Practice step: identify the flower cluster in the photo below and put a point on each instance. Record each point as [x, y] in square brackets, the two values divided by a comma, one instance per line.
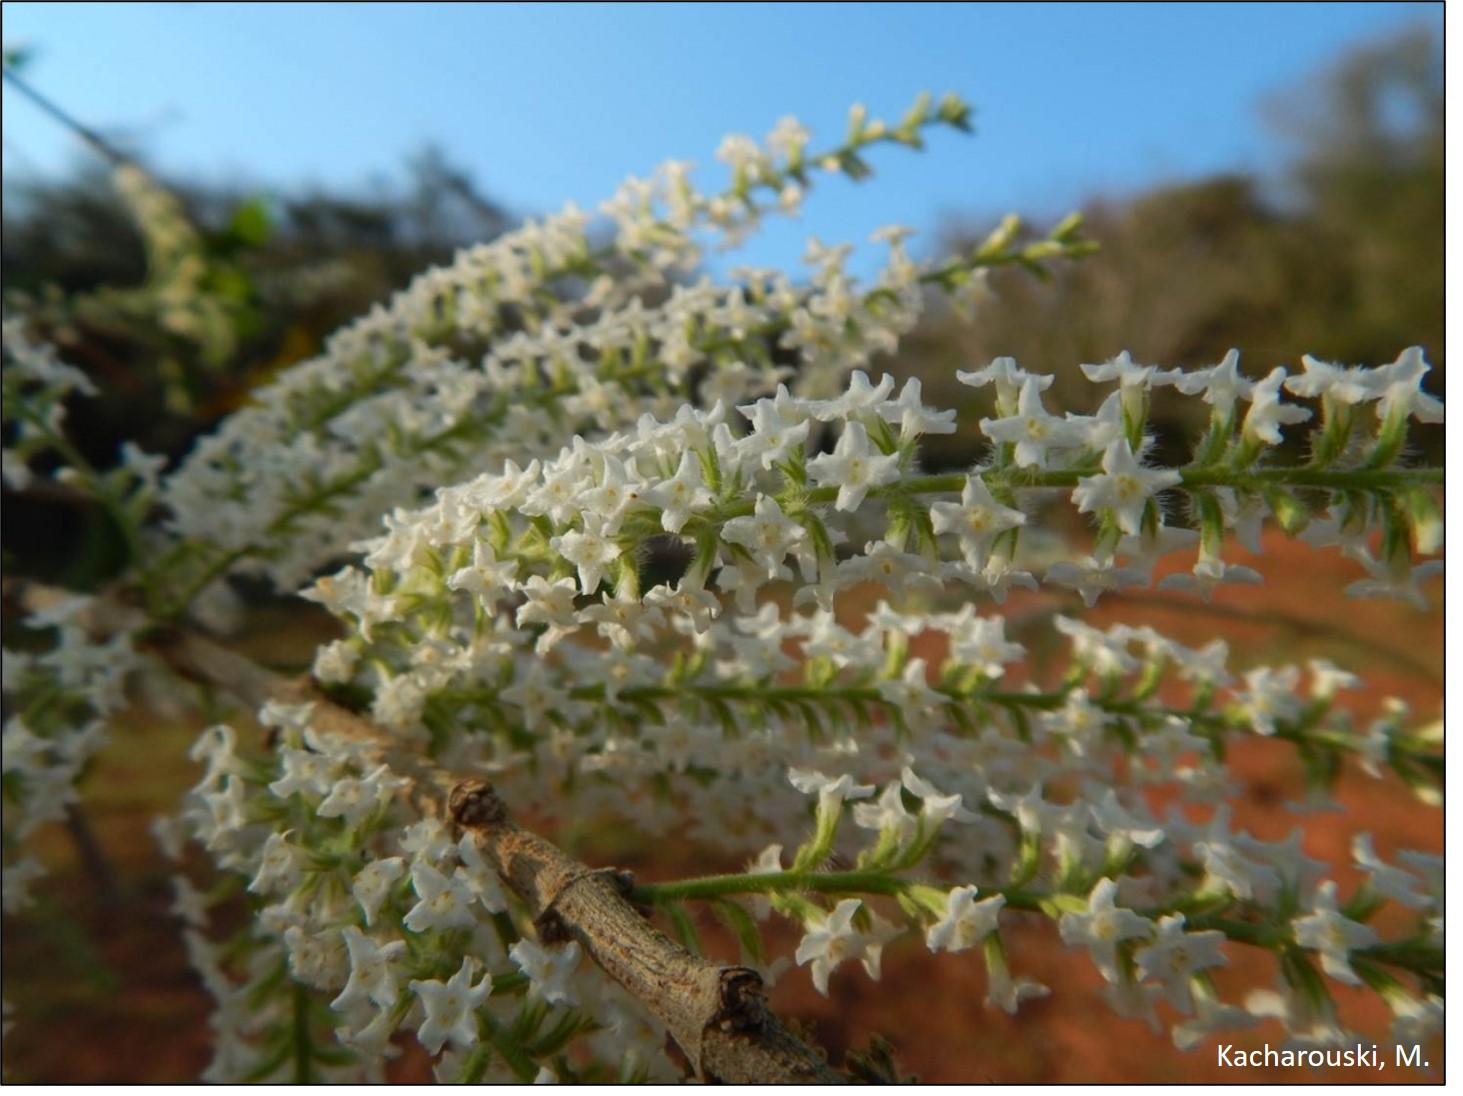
[59, 694]
[621, 558]
[389, 920]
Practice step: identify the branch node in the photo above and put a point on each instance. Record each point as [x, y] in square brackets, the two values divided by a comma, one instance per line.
[475, 805]
[743, 1005]
[551, 928]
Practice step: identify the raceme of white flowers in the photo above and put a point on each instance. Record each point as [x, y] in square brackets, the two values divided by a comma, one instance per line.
[622, 569]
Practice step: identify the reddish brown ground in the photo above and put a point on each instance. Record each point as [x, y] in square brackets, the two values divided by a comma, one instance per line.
[102, 992]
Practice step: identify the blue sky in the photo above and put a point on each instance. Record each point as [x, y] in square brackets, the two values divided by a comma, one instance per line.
[556, 102]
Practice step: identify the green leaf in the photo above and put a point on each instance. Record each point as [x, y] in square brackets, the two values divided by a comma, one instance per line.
[736, 918]
[685, 929]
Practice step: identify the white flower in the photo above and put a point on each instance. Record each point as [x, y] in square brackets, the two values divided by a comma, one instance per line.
[767, 861]
[1388, 881]
[886, 814]
[1032, 428]
[766, 534]
[488, 577]
[550, 603]
[1009, 380]
[1270, 697]
[854, 466]
[1222, 384]
[681, 495]
[832, 939]
[935, 809]
[918, 704]
[831, 793]
[966, 922]
[1124, 488]
[15, 881]
[1123, 370]
[1102, 927]
[23, 750]
[773, 436]
[1267, 414]
[1209, 572]
[1325, 930]
[862, 398]
[373, 977]
[591, 550]
[373, 882]
[1092, 577]
[913, 417]
[1308, 1019]
[1395, 578]
[1400, 388]
[1175, 956]
[1005, 992]
[280, 864]
[1212, 1015]
[451, 1008]
[428, 840]
[548, 971]
[480, 876]
[1341, 384]
[1415, 1020]
[444, 903]
[977, 520]
[355, 800]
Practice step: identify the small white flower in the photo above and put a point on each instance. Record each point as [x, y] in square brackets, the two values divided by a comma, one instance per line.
[886, 814]
[373, 977]
[935, 809]
[966, 922]
[831, 793]
[1124, 488]
[1032, 429]
[1267, 414]
[1396, 578]
[1335, 936]
[1175, 956]
[373, 882]
[766, 534]
[682, 495]
[1209, 572]
[488, 578]
[443, 903]
[913, 417]
[1387, 880]
[774, 437]
[855, 466]
[591, 550]
[280, 865]
[1003, 991]
[1103, 926]
[355, 800]
[1009, 380]
[977, 520]
[1222, 384]
[451, 1008]
[1271, 697]
[861, 398]
[549, 972]
[832, 939]
[1400, 388]
[480, 876]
